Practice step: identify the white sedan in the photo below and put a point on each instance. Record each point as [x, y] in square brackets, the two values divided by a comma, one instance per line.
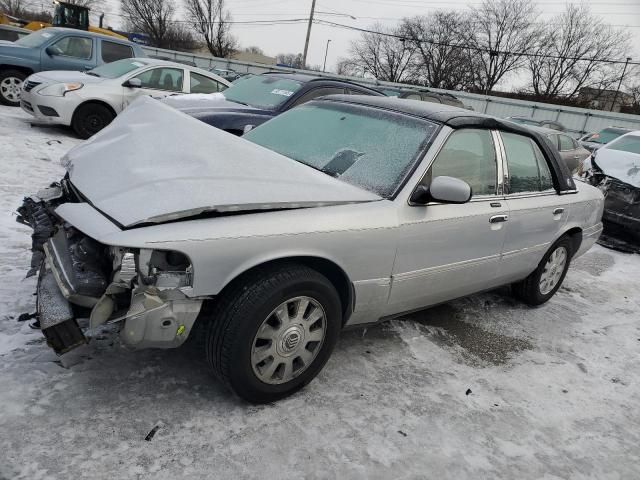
[89, 101]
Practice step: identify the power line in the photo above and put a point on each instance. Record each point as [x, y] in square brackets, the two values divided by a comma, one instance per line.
[404, 38]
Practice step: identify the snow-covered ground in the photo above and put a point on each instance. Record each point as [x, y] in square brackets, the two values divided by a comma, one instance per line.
[483, 387]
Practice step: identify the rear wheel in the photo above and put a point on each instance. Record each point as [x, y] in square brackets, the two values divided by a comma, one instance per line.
[545, 281]
[11, 86]
[90, 118]
[273, 331]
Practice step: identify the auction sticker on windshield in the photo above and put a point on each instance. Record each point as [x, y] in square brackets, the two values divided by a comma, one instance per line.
[285, 93]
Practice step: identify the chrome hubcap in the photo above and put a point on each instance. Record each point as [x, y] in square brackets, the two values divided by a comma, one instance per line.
[10, 88]
[288, 340]
[553, 270]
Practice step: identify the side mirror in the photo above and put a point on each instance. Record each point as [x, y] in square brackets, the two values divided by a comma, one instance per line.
[443, 190]
[133, 83]
[247, 128]
[50, 51]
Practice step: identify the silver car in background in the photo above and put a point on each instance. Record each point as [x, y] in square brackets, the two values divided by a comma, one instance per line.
[571, 152]
[341, 212]
[89, 101]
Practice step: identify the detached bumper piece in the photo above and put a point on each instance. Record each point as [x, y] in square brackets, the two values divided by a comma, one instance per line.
[55, 314]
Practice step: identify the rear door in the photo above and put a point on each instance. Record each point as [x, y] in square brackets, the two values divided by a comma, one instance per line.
[536, 212]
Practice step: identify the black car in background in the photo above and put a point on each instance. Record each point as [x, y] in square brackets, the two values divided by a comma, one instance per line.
[424, 95]
[252, 101]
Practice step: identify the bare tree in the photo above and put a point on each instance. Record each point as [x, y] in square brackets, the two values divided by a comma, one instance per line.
[254, 49]
[179, 37]
[151, 17]
[387, 57]
[293, 60]
[82, 3]
[441, 61]
[212, 21]
[12, 7]
[573, 53]
[497, 34]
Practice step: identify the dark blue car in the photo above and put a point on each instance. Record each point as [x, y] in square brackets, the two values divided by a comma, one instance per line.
[252, 101]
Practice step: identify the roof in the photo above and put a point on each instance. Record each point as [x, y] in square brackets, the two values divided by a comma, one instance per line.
[455, 118]
[307, 77]
[14, 28]
[88, 34]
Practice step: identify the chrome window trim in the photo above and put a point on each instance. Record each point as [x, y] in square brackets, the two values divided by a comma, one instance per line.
[475, 198]
[506, 193]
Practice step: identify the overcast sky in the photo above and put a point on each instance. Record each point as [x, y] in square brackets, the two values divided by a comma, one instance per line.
[274, 39]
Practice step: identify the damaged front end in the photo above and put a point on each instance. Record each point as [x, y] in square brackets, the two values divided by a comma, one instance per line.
[621, 214]
[141, 290]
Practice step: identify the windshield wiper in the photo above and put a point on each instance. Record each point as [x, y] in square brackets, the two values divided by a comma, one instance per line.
[93, 74]
[236, 101]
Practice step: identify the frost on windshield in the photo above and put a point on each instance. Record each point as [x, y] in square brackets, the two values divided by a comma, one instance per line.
[366, 147]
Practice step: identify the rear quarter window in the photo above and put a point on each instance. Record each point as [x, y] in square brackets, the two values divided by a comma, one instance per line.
[112, 51]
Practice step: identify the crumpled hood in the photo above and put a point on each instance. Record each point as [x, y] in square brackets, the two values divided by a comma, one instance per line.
[65, 76]
[154, 164]
[624, 166]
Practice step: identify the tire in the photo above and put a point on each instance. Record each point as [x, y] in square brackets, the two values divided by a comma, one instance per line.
[533, 290]
[10, 87]
[254, 304]
[90, 118]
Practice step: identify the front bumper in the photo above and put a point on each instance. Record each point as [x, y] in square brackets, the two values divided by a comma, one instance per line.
[48, 109]
[78, 273]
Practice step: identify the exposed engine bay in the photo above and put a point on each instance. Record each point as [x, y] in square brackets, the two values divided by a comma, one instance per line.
[139, 289]
[621, 215]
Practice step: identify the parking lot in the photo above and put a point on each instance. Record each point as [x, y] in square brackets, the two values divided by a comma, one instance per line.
[482, 387]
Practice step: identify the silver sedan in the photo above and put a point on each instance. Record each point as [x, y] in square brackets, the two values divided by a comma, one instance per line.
[89, 101]
[341, 212]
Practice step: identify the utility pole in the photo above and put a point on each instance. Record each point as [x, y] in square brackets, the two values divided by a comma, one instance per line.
[324, 66]
[615, 97]
[306, 43]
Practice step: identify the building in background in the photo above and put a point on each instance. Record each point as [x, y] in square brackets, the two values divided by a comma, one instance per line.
[604, 99]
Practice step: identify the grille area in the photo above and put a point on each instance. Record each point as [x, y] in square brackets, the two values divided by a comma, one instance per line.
[30, 85]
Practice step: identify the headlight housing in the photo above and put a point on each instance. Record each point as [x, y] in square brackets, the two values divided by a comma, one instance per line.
[60, 89]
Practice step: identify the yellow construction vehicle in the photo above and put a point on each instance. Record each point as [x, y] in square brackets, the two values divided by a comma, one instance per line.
[65, 15]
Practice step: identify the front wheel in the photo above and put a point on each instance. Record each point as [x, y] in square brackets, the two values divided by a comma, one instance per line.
[545, 281]
[273, 331]
[89, 119]
[10, 87]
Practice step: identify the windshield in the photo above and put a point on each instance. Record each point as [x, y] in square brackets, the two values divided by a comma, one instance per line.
[628, 143]
[370, 148]
[263, 91]
[35, 39]
[116, 69]
[607, 135]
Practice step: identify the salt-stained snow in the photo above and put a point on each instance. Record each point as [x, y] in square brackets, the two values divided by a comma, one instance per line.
[554, 392]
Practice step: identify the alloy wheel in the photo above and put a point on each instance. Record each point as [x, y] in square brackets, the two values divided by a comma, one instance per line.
[10, 89]
[553, 270]
[288, 340]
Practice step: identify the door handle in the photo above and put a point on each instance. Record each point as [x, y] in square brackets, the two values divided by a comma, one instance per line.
[495, 204]
[558, 211]
[499, 218]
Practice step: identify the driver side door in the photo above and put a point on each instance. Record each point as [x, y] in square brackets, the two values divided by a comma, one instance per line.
[69, 53]
[447, 251]
[156, 82]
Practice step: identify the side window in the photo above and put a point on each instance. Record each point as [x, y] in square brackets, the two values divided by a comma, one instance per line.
[414, 96]
[202, 84]
[169, 79]
[317, 92]
[112, 51]
[528, 169]
[469, 155]
[8, 35]
[431, 98]
[566, 143]
[76, 47]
